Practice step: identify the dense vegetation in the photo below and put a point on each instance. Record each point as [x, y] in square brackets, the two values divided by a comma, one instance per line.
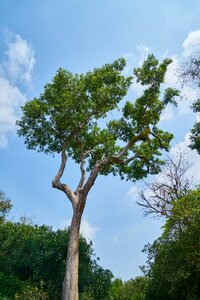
[174, 259]
[32, 262]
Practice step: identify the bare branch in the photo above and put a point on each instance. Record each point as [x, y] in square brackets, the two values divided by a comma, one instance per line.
[131, 159]
[152, 207]
[171, 185]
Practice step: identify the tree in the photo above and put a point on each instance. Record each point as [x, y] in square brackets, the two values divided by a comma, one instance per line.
[66, 119]
[32, 261]
[174, 259]
[5, 206]
[190, 74]
[172, 184]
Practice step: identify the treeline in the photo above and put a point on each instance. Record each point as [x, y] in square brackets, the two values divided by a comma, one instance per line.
[32, 264]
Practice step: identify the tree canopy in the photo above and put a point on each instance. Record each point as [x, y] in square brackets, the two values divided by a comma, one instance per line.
[67, 117]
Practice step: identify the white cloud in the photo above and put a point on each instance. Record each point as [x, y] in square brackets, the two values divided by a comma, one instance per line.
[20, 59]
[137, 87]
[10, 100]
[192, 156]
[132, 196]
[133, 192]
[191, 43]
[144, 51]
[167, 114]
[87, 230]
[188, 95]
[18, 64]
[171, 77]
[130, 61]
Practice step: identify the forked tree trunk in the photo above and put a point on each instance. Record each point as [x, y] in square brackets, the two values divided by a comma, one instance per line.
[70, 283]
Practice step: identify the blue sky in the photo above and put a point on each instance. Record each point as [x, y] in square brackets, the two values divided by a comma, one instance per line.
[36, 38]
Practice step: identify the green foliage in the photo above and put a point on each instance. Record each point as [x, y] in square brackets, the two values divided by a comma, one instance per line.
[70, 105]
[32, 293]
[68, 115]
[133, 289]
[5, 206]
[174, 259]
[31, 255]
[195, 137]
[99, 284]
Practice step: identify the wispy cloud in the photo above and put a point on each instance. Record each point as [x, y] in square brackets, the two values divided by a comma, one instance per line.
[17, 65]
[20, 60]
[191, 43]
[192, 156]
[10, 100]
[87, 230]
[132, 194]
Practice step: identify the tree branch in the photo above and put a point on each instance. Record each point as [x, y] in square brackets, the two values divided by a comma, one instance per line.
[83, 176]
[157, 137]
[143, 136]
[171, 185]
[61, 186]
[93, 175]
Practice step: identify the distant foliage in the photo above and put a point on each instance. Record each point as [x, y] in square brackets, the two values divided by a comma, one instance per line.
[190, 75]
[133, 289]
[174, 258]
[5, 206]
[32, 264]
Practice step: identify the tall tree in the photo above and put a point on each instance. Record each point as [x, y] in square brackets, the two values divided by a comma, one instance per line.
[66, 119]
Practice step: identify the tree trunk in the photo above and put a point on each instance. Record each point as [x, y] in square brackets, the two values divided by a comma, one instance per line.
[70, 283]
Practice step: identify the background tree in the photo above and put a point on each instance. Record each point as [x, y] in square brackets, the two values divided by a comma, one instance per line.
[190, 74]
[174, 259]
[32, 262]
[67, 119]
[5, 206]
[172, 184]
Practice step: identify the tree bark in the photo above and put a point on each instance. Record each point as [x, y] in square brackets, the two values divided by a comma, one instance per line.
[70, 283]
